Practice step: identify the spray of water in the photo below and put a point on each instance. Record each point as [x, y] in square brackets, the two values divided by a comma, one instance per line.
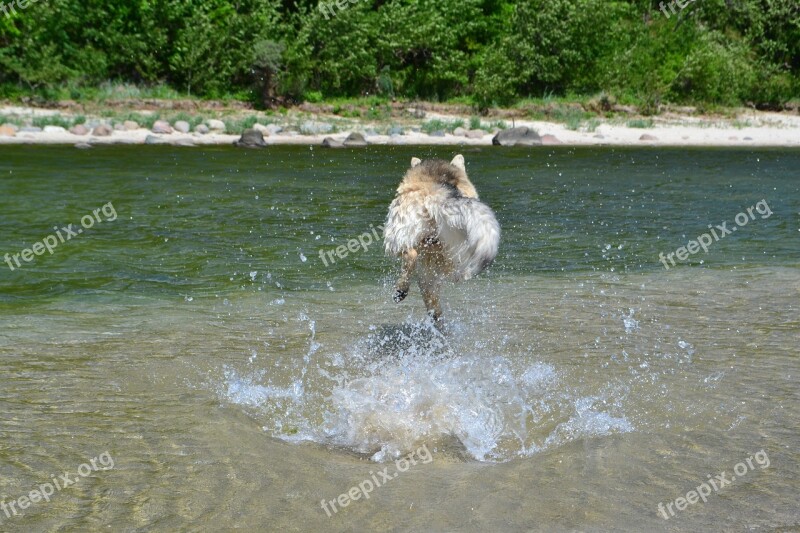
[400, 386]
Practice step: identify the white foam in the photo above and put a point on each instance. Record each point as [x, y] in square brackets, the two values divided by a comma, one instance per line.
[242, 391]
[402, 387]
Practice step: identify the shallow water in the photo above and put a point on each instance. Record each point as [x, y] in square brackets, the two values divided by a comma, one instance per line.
[237, 380]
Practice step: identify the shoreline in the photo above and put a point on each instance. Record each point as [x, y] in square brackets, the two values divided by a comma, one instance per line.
[748, 129]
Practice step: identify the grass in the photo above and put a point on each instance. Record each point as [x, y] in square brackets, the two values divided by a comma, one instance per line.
[346, 113]
[65, 122]
[6, 119]
[461, 100]
[105, 92]
[238, 125]
[549, 99]
[572, 116]
[643, 123]
[371, 108]
[58, 120]
[110, 91]
[476, 123]
[563, 110]
[144, 120]
[567, 109]
[234, 123]
[361, 101]
[592, 124]
[434, 125]
[380, 111]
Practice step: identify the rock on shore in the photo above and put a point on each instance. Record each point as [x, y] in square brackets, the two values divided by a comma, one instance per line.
[517, 137]
[251, 138]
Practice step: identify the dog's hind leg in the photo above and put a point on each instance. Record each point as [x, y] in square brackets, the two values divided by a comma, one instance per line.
[430, 283]
[403, 284]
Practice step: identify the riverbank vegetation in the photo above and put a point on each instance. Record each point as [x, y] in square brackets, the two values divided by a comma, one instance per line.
[479, 53]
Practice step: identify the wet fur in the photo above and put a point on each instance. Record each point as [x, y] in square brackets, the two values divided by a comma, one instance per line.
[439, 228]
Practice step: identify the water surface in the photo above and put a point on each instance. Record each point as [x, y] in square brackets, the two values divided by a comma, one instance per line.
[237, 379]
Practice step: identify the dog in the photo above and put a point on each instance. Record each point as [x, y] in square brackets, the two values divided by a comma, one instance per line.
[436, 221]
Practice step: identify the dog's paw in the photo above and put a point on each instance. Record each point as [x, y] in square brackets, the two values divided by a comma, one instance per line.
[399, 296]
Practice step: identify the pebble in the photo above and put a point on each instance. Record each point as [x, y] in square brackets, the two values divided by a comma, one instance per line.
[161, 126]
[102, 131]
[216, 125]
[550, 140]
[475, 134]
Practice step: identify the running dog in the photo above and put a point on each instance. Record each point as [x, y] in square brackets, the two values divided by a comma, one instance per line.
[437, 220]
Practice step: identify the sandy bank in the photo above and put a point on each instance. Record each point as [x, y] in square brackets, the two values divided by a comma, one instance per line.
[749, 129]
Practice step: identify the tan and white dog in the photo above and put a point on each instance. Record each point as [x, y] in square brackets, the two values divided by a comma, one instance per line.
[437, 220]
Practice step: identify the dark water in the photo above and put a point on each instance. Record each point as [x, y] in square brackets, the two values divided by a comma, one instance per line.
[189, 219]
[194, 332]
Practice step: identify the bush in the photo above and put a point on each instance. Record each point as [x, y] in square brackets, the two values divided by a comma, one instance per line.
[490, 52]
[313, 97]
[551, 45]
[773, 88]
[715, 71]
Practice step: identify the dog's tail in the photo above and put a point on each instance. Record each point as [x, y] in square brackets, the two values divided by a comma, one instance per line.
[468, 231]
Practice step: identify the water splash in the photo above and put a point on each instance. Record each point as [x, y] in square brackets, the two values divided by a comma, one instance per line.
[631, 324]
[399, 387]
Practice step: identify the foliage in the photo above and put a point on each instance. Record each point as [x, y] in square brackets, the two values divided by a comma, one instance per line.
[489, 52]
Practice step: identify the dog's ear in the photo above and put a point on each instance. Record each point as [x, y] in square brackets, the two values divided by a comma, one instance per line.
[415, 161]
[458, 162]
